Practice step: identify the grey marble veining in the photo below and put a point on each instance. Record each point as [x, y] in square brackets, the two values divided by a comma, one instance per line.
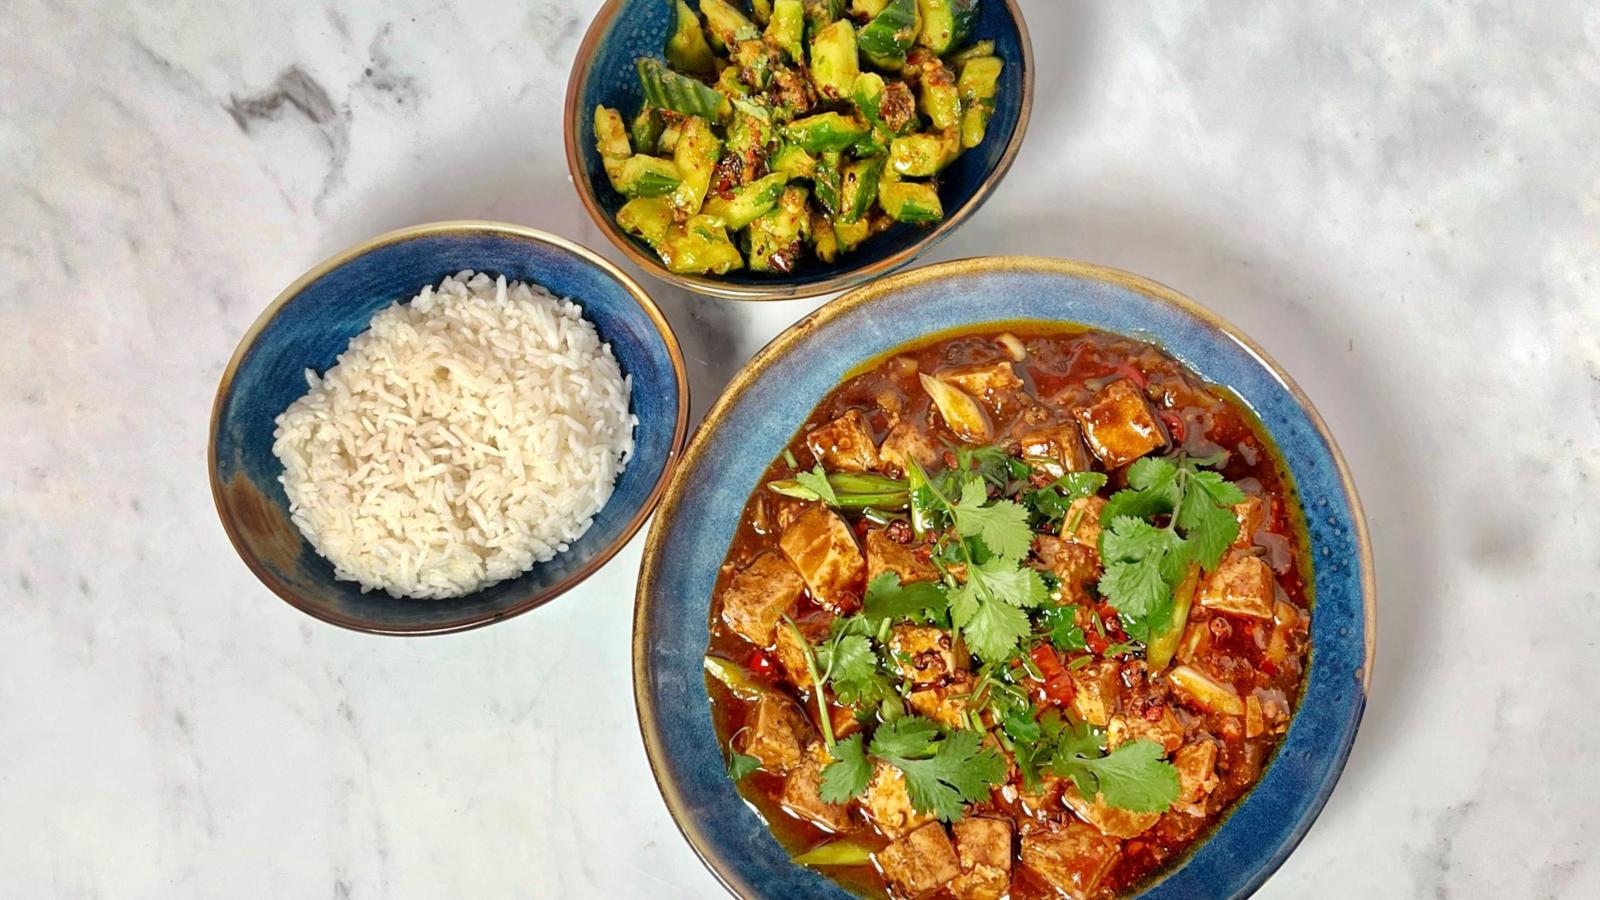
[1400, 201]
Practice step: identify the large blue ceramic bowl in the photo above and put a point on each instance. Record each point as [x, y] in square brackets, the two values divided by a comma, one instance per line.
[312, 322]
[775, 393]
[603, 74]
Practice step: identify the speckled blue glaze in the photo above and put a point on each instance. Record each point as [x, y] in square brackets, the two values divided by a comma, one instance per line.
[694, 526]
[313, 325]
[640, 29]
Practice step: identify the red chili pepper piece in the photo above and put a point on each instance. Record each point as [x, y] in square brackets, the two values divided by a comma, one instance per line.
[1097, 644]
[1059, 688]
[1044, 656]
[1175, 425]
[760, 662]
[1127, 370]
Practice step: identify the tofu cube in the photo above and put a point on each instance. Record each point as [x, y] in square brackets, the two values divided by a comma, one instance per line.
[920, 862]
[983, 847]
[1112, 821]
[886, 555]
[1166, 731]
[1254, 722]
[888, 805]
[906, 441]
[1082, 524]
[1059, 446]
[778, 733]
[1197, 766]
[819, 544]
[926, 655]
[1044, 800]
[1120, 424]
[1251, 513]
[1241, 585]
[757, 597]
[1097, 689]
[995, 383]
[845, 444]
[1073, 860]
[802, 792]
[941, 704]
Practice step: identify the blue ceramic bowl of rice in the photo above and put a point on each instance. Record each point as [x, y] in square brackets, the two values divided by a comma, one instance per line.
[604, 74]
[310, 326]
[777, 391]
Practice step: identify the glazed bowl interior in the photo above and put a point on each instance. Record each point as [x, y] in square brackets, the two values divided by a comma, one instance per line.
[775, 393]
[603, 74]
[312, 322]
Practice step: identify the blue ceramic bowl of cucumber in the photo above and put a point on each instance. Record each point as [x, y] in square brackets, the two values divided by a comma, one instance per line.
[631, 52]
[756, 417]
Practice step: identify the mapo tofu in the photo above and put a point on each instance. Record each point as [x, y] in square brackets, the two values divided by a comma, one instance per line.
[937, 620]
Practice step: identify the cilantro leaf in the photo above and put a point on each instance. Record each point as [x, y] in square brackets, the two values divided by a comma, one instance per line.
[907, 736]
[849, 774]
[1075, 485]
[1151, 473]
[1081, 739]
[992, 464]
[1131, 777]
[1062, 627]
[816, 481]
[887, 598]
[959, 772]
[1153, 489]
[1221, 491]
[851, 666]
[740, 765]
[1206, 517]
[987, 606]
[1009, 580]
[1002, 525]
[1138, 579]
[1022, 727]
[995, 629]
[1129, 539]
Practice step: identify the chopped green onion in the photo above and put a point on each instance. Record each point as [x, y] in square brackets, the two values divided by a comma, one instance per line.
[842, 852]
[737, 678]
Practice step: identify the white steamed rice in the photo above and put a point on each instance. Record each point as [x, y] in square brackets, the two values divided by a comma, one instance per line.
[464, 437]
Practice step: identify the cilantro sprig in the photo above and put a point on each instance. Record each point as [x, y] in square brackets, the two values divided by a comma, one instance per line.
[816, 481]
[919, 601]
[1050, 503]
[1145, 561]
[1131, 777]
[991, 538]
[943, 772]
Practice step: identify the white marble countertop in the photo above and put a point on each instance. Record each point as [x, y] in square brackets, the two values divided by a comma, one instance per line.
[1401, 201]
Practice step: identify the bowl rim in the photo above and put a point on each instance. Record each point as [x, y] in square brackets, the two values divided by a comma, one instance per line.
[677, 804]
[779, 290]
[400, 235]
